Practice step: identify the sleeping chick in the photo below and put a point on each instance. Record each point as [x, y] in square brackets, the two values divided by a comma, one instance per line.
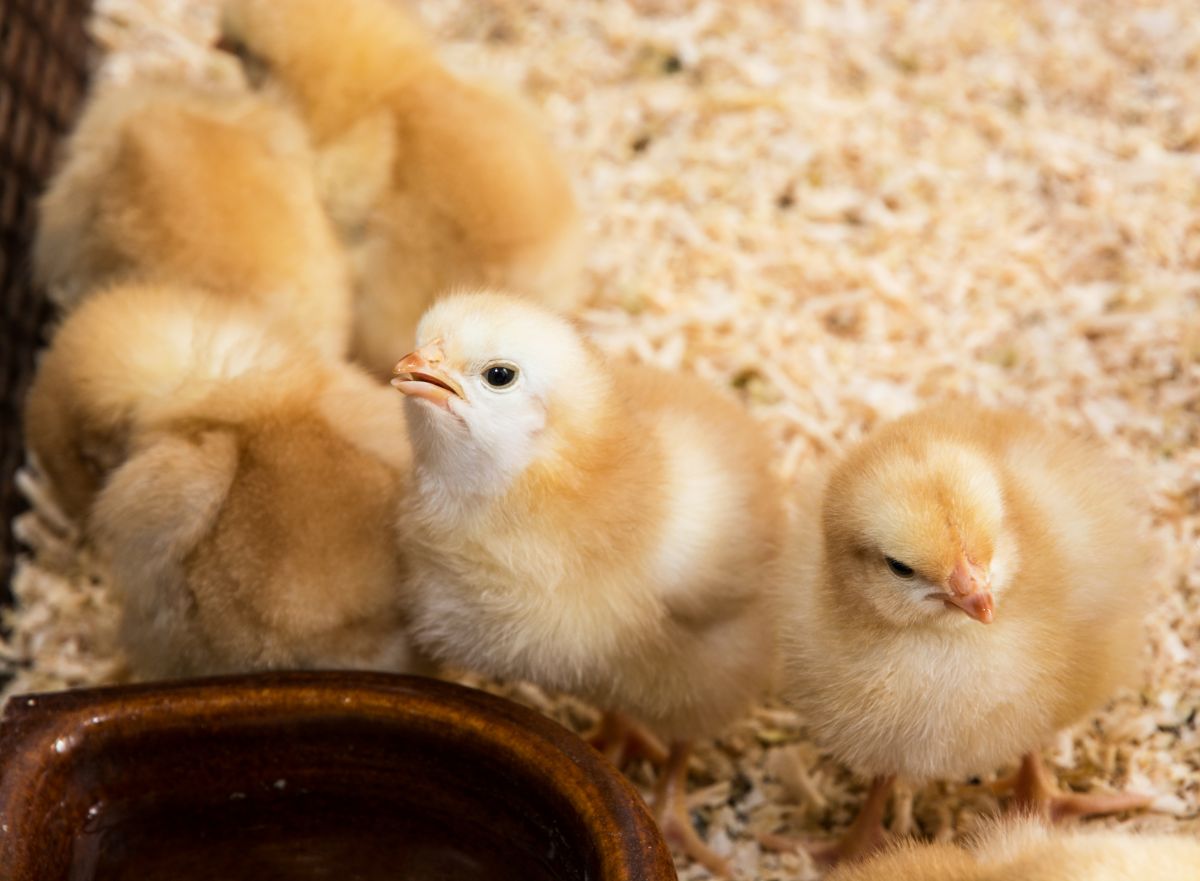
[243, 485]
[971, 583]
[197, 186]
[1022, 849]
[437, 183]
[601, 529]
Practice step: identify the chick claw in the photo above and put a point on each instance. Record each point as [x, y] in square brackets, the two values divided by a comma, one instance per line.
[671, 809]
[865, 835]
[622, 740]
[1034, 792]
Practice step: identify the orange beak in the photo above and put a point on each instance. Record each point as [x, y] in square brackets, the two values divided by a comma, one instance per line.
[970, 585]
[418, 376]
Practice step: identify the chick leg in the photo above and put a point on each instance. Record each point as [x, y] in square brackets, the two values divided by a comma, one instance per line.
[622, 739]
[1033, 790]
[865, 835]
[671, 808]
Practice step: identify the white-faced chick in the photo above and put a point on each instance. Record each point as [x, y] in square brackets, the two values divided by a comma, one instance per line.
[970, 583]
[601, 529]
[437, 183]
[199, 186]
[243, 486]
[1021, 849]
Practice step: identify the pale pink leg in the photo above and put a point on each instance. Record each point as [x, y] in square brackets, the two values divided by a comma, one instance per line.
[865, 835]
[1034, 792]
[622, 739]
[671, 808]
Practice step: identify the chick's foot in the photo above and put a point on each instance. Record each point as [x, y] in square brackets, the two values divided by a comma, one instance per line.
[623, 740]
[1034, 792]
[865, 835]
[671, 809]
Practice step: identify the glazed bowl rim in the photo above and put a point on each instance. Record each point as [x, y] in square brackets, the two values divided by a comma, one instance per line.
[40, 728]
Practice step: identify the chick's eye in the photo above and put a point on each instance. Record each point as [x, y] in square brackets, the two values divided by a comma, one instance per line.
[899, 569]
[500, 375]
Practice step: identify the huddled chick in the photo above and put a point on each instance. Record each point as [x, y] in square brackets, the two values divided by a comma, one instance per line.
[436, 182]
[602, 529]
[1022, 849]
[968, 583]
[243, 485]
[178, 184]
[964, 583]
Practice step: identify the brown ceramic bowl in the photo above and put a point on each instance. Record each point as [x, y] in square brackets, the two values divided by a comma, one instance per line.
[305, 776]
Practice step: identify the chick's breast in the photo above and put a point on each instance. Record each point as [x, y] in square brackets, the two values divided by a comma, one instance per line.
[543, 584]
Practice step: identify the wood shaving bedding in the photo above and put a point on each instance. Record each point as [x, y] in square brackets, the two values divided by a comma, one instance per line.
[840, 210]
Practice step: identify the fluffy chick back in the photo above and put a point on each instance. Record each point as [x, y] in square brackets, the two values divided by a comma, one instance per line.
[197, 186]
[122, 352]
[253, 531]
[244, 488]
[1021, 849]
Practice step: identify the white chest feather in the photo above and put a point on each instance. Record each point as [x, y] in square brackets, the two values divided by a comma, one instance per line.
[521, 610]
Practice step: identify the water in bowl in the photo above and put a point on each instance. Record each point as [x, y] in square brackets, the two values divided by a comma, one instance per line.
[304, 837]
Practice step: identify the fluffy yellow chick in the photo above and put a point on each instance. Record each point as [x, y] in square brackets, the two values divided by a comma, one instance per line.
[600, 529]
[243, 486]
[970, 583]
[1025, 850]
[182, 184]
[436, 182]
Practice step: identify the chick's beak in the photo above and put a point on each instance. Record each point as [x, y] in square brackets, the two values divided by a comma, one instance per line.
[970, 585]
[419, 376]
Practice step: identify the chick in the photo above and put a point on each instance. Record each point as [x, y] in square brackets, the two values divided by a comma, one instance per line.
[437, 183]
[181, 184]
[970, 583]
[242, 485]
[1021, 849]
[600, 529]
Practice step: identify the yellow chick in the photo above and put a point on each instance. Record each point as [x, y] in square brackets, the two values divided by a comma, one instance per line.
[437, 183]
[970, 583]
[181, 184]
[243, 486]
[600, 529]
[1024, 850]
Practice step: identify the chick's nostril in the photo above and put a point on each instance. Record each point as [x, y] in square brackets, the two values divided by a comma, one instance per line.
[968, 578]
[432, 352]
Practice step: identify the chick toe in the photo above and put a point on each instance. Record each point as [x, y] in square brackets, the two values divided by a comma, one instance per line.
[622, 740]
[1033, 792]
[671, 809]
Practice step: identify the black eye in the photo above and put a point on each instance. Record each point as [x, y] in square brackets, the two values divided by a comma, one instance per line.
[899, 569]
[499, 376]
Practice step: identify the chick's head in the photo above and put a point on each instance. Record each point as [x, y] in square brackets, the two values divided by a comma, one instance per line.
[914, 527]
[495, 383]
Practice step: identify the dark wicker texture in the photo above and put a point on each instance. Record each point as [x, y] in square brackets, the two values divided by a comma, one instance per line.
[44, 55]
